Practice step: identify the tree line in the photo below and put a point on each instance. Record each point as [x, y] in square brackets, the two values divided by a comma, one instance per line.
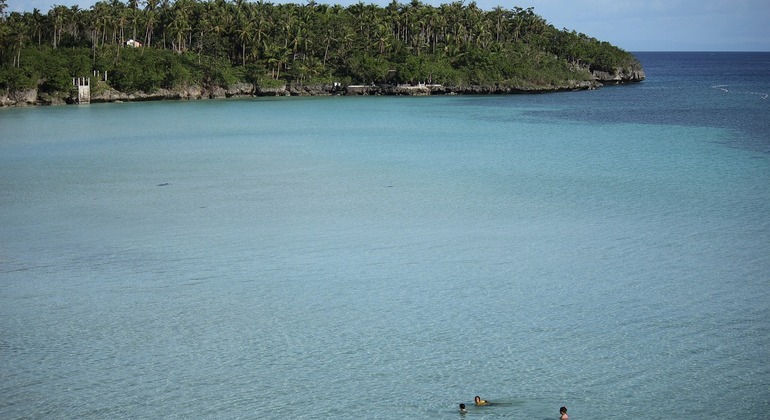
[150, 44]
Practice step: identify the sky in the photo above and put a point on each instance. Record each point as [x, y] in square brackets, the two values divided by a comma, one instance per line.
[633, 25]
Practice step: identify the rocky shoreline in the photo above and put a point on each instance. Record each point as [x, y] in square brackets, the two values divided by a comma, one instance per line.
[101, 94]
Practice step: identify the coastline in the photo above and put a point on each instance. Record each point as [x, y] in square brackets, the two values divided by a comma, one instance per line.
[105, 94]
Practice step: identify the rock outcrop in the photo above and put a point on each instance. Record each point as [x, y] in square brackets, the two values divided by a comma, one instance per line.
[430, 89]
[620, 75]
[104, 93]
[19, 97]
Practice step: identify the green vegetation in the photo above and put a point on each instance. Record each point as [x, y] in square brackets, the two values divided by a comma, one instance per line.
[218, 43]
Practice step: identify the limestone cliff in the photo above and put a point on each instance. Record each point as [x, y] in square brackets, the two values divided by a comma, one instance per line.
[619, 75]
[104, 93]
[19, 98]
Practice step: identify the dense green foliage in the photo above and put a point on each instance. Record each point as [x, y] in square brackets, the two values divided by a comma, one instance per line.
[217, 43]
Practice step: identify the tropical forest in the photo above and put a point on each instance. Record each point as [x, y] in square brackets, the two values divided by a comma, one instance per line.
[152, 45]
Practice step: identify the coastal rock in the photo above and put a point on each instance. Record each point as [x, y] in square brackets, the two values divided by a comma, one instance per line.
[19, 97]
[111, 95]
[419, 90]
[318, 89]
[271, 91]
[191, 92]
[240, 89]
[48, 99]
[388, 89]
[619, 75]
[104, 93]
[108, 95]
[217, 92]
[363, 90]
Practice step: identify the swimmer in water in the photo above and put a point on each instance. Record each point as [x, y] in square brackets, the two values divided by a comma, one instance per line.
[479, 401]
[563, 412]
[462, 409]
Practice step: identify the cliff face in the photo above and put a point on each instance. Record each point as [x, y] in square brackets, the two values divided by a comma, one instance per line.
[187, 92]
[106, 94]
[620, 75]
[19, 98]
[422, 90]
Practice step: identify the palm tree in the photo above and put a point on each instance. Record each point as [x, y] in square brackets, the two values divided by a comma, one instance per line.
[330, 26]
[37, 22]
[383, 34]
[17, 35]
[134, 15]
[118, 20]
[245, 33]
[74, 21]
[440, 30]
[180, 25]
[151, 17]
[56, 16]
[277, 58]
[498, 16]
[3, 6]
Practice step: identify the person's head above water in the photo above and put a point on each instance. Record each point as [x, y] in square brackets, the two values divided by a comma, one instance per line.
[479, 401]
[462, 407]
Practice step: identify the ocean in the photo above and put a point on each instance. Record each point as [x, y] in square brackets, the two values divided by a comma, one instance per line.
[393, 257]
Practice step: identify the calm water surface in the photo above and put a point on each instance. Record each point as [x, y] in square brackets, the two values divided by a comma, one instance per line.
[385, 257]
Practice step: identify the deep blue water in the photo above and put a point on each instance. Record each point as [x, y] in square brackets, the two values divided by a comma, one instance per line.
[391, 257]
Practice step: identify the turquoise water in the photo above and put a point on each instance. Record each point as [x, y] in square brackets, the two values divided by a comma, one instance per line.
[392, 257]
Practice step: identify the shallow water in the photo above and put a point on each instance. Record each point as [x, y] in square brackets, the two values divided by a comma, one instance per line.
[392, 257]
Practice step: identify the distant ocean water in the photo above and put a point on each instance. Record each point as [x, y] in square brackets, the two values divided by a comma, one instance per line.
[391, 257]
